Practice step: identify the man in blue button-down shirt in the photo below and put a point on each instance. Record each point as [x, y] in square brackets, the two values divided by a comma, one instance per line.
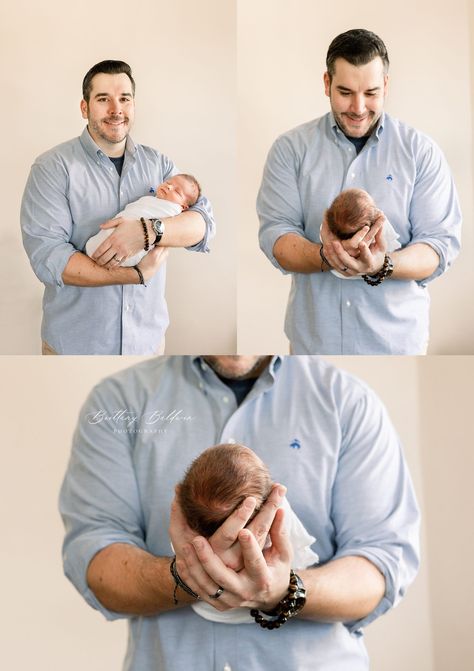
[323, 434]
[358, 145]
[95, 306]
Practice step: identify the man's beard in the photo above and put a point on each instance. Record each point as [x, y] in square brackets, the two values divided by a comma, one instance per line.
[227, 369]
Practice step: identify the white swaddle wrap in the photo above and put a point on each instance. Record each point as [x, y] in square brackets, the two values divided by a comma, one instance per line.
[146, 206]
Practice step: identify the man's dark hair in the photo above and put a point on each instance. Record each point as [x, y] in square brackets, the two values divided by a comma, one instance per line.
[108, 68]
[358, 47]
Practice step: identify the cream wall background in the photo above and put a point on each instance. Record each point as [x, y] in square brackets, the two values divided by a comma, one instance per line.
[44, 623]
[183, 59]
[282, 47]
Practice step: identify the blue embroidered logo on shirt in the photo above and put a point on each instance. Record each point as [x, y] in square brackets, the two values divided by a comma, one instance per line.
[389, 178]
[296, 445]
[152, 190]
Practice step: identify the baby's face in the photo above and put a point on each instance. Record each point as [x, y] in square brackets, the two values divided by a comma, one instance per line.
[178, 190]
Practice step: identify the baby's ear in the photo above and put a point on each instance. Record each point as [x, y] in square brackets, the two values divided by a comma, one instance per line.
[185, 207]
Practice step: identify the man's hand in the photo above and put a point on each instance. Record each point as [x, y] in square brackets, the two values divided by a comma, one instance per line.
[125, 241]
[262, 582]
[152, 261]
[224, 541]
[363, 254]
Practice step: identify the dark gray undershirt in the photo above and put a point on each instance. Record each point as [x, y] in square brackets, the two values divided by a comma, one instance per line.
[358, 142]
[118, 163]
[240, 387]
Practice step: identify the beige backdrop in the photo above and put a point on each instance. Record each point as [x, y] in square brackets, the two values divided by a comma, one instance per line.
[46, 625]
[282, 48]
[183, 59]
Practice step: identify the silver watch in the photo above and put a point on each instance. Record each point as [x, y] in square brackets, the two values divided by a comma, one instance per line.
[158, 228]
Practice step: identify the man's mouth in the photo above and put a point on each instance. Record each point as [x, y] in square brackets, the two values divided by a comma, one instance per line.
[357, 119]
[115, 122]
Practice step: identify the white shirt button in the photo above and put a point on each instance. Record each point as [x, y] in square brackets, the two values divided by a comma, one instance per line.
[348, 303]
[225, 399]
[353, 175]
[231, 441]
[227, 667]
[203, 366]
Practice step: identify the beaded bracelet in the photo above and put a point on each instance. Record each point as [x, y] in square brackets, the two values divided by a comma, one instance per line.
[385, 271]
[285, 609]
[178, 582]
[145, 234]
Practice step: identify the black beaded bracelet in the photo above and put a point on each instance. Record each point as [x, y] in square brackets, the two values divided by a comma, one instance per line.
[178, 582]
[385, 271]
[289, 606]
[145, 234]
[140, 275]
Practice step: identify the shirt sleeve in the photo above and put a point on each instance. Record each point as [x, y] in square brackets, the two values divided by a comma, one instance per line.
[279, 205]
[374, 509]
[435, 214]
[99, 500]
[46, 221]
[204, 208]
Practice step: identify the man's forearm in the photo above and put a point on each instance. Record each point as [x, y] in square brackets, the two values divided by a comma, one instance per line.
[342, 590]
[183, 230]
[126, 579]
[81, 271]
[297, 254]
[414, 262]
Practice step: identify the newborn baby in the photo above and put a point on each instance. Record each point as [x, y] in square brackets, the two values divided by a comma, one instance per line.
[350, 211]
[178, 193]
[215, 484]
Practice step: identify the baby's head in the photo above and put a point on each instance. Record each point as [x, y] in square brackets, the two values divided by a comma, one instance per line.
[182, 189]
[216, 484]
[350, 211]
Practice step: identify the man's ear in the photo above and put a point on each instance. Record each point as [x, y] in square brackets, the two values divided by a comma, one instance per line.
[327, 83]
[84, 108]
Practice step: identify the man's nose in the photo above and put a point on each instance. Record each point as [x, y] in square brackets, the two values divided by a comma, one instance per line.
[358, 104]
[115, 107]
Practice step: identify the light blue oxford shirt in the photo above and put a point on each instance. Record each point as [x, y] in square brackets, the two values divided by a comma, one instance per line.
[408, 177]
[322, 433]
[71, 190]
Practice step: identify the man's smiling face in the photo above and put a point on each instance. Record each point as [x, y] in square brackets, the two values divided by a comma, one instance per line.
[357, 95]
[110, 110]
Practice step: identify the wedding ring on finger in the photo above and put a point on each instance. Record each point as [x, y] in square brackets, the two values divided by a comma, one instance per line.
[217, 594]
